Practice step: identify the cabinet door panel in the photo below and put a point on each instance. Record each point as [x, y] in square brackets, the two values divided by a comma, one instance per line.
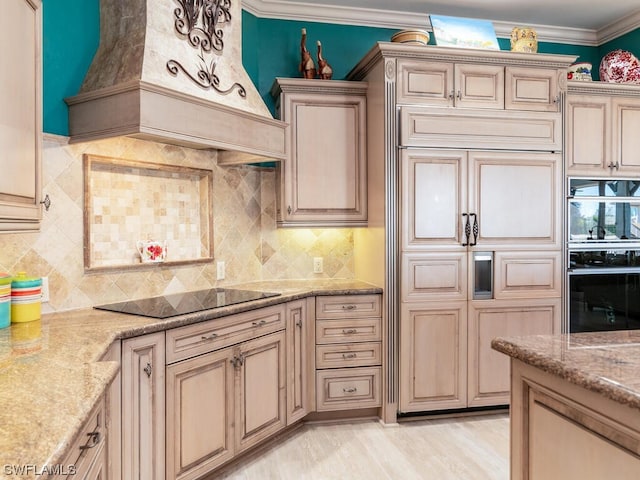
[143, 407]
[588, 134]
[488, 370]
[532, 89]
[323, 181]
[299, 360]
[626, 125]
[516, 198]
[200, 394]
[20, 114]
[527, 275]
[480, 128]
[434, 276]
[479, 86]
[261, 400]
[326, 162]
[433, 356]
[433, 198]
[425, 82]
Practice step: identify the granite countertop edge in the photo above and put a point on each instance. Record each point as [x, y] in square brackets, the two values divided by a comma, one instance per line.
[65, 377]
[573, 372]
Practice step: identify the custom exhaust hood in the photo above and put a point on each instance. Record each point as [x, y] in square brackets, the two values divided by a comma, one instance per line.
[171, 71]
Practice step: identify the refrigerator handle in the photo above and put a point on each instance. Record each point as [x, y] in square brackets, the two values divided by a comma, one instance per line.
[467, 230]
[476, 230]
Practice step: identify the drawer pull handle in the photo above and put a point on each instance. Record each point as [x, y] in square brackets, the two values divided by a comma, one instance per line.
[349, 331]
[259, 324]
[350, 390]
[94, 439]
[348, 307]
[349, 355]
[210, 337]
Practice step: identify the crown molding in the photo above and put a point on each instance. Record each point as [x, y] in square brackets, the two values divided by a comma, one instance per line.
[619, 28]
[341, 15]
[336, 14]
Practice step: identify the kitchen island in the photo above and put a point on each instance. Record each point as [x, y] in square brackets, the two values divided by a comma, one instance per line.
[575, 405]
[54, 371]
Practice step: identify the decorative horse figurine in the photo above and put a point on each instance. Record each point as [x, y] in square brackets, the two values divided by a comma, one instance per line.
[324, 69]
[307, 66]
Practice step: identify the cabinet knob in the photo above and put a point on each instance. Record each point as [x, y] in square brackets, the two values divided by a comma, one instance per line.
[148, 369]
[289, 209]
[299, 323]
[237, 361]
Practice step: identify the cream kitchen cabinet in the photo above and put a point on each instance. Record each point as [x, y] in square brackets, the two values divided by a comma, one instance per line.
[20, 115]
[456, 81]
[488, 373]
[300, 381]
[480, 245]
[464, 165]
[348, 352]
[143, 407]
[456, 199]
[323, 181]
[226, 387]
[602, 124]
[433, 356]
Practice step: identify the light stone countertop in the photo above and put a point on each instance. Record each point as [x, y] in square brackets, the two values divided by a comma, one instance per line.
[605, 362]
[51, 375]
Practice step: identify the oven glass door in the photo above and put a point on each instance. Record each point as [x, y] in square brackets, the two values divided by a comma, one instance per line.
[604, 210]
[603, 299]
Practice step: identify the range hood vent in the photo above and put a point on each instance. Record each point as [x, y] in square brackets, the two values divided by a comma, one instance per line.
[171, 71]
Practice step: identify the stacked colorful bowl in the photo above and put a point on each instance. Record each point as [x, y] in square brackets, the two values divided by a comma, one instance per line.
[5, 300]
[26, 296]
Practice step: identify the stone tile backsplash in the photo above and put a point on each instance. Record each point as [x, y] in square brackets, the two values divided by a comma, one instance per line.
[244, 231]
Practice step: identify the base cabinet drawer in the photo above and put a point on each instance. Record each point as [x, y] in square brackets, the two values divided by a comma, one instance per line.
[342, 389]
[342, 306]
[87, 454]
[199, 338]
[348, 330]
[349, 355]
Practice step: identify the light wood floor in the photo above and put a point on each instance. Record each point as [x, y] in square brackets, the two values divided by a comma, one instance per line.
[470, 448]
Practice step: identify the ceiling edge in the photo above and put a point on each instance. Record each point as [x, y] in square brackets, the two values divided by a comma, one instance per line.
[337, 14]
[619, 28]
[286, 10]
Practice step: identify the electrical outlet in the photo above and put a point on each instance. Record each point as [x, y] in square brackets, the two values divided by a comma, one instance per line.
[317, 264]
[220, 270]
[45, 289]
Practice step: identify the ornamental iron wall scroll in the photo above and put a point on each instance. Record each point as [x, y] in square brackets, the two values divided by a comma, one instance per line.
[201, 23]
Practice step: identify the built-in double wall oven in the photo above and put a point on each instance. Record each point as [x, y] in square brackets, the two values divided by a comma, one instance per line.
[603, 255]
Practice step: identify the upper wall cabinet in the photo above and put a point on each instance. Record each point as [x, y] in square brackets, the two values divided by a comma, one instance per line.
[20, 114]
[323, 181]
[602, 125]
[456, 83]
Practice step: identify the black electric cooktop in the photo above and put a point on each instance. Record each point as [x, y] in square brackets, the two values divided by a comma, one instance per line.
[166, 306]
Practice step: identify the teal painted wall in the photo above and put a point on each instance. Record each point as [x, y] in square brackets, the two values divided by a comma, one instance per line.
[71, 33]
[270, 48]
